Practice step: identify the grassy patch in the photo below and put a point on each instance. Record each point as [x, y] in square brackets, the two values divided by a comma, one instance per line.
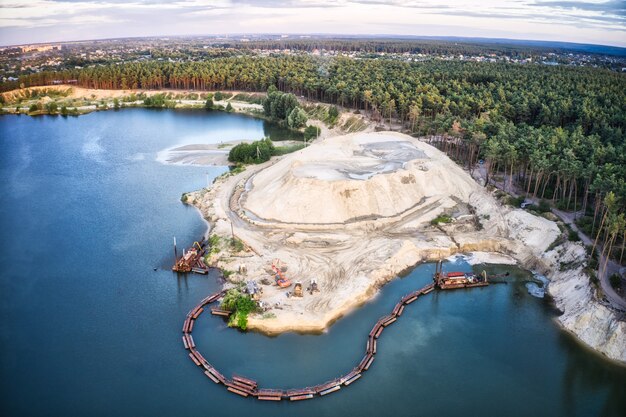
[443, 218]
[214, 243]
[354, 124]
[283, 150]
[249, 98]
[236, 245]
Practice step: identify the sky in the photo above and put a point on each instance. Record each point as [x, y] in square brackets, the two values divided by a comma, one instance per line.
[593, 21]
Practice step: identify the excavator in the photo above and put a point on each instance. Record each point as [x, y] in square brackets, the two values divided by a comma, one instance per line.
[280, 279]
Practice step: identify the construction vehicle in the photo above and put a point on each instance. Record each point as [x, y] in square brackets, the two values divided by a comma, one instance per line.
[313, 287]
[297, 289]
[457, 279]
[280, 279]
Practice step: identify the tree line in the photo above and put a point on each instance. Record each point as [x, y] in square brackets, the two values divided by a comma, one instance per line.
[553, 132]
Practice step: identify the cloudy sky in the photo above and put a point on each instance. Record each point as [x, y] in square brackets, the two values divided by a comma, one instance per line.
[591, 21]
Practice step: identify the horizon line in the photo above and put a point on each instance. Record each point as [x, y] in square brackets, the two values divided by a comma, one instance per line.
[463, 39]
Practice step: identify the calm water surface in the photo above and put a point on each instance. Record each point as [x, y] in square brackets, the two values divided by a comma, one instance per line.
[89, 328]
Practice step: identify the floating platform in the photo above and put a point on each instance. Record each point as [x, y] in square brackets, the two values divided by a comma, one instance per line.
[212, 377]
[238, 392]
[270, 395]
[245, 381]
[301, 397]
[197, 313]
[330, 390]
[219, 312]
[352, 379]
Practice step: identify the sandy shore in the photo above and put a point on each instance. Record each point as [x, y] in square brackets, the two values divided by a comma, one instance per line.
[197, 154]
[90, 100]
[215, 154]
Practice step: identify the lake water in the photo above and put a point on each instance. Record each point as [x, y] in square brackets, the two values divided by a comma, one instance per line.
[88, 327]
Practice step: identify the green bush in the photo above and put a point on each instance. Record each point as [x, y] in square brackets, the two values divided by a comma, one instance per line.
[572, 236]
[278, 106]
[333, 114]
[255, 152]
[443, 218]
[311, 132]
[544, 206]
[236, 244]
[297, 118]
[240, 305]
[156, 101]
[515, 201]
[615, 280]
[219, 96]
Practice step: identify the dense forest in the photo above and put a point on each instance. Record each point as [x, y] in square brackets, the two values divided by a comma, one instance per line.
[552, 132]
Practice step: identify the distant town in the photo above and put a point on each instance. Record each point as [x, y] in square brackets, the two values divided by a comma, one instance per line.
[19, 60]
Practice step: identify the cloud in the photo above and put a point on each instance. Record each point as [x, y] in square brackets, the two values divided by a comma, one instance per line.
[578, 21]
[617, 7]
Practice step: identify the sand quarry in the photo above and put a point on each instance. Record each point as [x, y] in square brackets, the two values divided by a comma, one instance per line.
[352, 212]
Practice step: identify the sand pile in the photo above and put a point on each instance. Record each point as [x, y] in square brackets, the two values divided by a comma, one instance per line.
[351, 213]
[360, 176]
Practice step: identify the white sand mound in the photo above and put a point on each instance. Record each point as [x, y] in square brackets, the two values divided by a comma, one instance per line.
[356, 177]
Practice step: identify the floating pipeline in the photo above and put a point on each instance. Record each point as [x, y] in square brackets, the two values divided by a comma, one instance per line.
[246, 387]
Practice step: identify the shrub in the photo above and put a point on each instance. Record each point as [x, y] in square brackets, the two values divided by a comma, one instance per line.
[333, 114]
[543, 206]
[615, 280]
[255, 152]
[311, 132]
[214, 240]
[297, 118]
[443, 218]
[241, 305]
[229, 107]
[157, 101]
[572, 236]
[219, 96]
[515, 201]
[52, 107]
[236, 244]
